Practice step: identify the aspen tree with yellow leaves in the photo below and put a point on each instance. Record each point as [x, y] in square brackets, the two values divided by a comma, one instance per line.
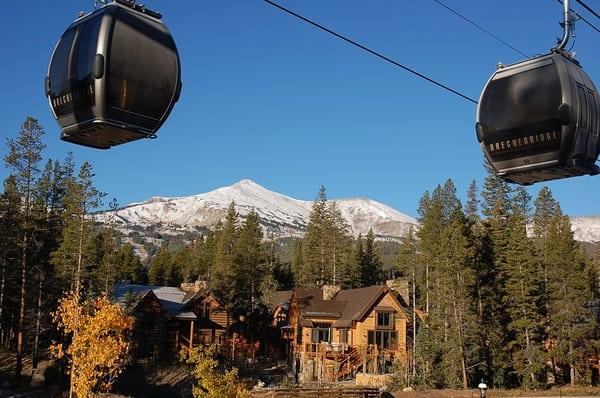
[99, 344]
[212, 380]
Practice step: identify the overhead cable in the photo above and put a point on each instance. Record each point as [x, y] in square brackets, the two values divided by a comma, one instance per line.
[588, 8]
[373, 52]
[581, 18]
[482, 29]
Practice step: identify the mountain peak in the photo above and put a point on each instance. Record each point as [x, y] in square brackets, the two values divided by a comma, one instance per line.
[248, 182]
[280, 215]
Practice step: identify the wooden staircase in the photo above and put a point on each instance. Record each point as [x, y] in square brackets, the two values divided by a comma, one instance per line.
[349, 364]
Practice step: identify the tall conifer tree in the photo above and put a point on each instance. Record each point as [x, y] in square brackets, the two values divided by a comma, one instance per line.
[223, 273]
[314, 246]
[74, 256]
[371, 267]
[23, 159]
[522, 296]
[250, 265]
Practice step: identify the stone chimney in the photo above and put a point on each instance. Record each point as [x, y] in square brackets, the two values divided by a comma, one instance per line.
[330, 291]
[400, 286]
[194, 286]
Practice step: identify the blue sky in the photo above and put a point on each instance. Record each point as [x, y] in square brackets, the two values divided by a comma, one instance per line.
[272, 99]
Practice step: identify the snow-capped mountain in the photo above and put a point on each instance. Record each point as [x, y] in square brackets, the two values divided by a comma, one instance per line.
[586, 229]
[281, 215]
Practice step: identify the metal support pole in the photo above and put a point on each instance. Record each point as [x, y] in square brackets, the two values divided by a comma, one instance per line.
[566, 26]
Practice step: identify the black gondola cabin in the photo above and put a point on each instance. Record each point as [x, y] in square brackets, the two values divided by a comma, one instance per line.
[114, 76]
[539, 120]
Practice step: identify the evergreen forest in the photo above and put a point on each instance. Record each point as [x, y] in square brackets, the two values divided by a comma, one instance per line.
[498, 288]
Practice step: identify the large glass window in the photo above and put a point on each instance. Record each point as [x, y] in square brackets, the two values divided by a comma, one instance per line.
[86, 48]
[142, 70]
[344, 336]
[385, 320]
[82, 61]
[595, 117]
[383, 339]
[321, 332]
[524, 99]
[71, 82]
[582, 117]
[516, 109]
[59, 73]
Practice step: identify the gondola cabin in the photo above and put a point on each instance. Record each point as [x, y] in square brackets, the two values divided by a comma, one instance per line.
[114, 76]
[539, 120]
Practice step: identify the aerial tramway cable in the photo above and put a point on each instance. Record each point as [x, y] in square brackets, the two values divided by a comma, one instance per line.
[373, 52]
[481, 28]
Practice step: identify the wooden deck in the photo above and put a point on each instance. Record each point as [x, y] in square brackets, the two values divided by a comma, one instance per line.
[338, 362]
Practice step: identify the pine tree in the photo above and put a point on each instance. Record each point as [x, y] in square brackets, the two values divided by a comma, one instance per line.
[107, 271]
[432, 223]
[75, 254]
[161, 270]
[570, 321]
[223, 272]
[197, 265]
[298, 268]
[371, 267]
[338, 242]
[209, 252]
[47, 205]
[271, 282]
[492, 247]
[408, 267]
[472, 205]
[182, 262]
[326, 247]
[314, 249]
[24, 156]
[545, 210]
[447, 342]
[249, 265]
[453, 318]
[10, 231]
[352, 271]
[130, 265]
[522, 292]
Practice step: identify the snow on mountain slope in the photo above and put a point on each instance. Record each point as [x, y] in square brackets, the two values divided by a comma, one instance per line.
[280, 214]
[586, 229]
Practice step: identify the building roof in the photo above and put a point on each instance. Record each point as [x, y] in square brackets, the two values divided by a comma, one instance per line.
[280, 298]
[172, 299]
[188, 315]
[359, 302]
[324, 308]
[347, 306]
[311, 304]
[306, 297]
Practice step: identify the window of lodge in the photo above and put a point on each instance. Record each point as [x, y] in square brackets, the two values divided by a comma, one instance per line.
[385, 320]
[321, 332]
[344, 336]
[383, 339]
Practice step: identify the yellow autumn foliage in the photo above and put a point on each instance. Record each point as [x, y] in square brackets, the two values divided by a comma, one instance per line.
[213, 382]
[98, 342]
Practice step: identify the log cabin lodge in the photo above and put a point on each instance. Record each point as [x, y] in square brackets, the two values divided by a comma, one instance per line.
[327, 334]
